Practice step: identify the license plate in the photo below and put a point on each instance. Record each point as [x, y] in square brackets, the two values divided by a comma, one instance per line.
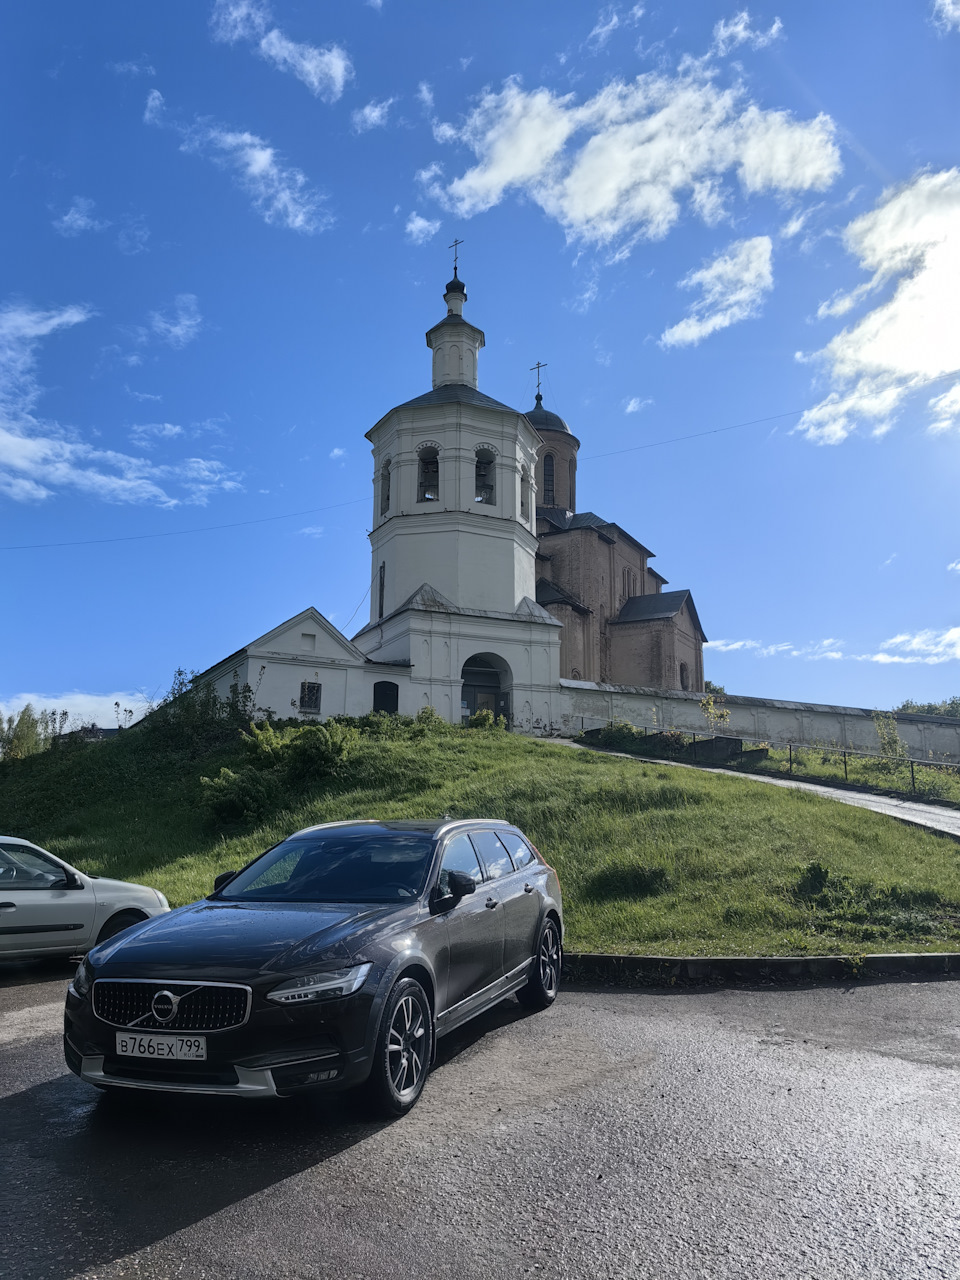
[167, 1048]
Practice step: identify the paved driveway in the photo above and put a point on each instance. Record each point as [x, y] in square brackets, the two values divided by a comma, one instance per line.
[664, 1134]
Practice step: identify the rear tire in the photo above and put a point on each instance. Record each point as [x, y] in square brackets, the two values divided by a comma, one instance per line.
[401, 1059]
[544, 981]
[116, 924]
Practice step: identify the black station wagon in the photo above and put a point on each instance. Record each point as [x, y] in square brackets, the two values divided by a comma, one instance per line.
[335, 959]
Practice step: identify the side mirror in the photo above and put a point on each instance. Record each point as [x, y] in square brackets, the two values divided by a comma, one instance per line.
[68, 881]
[460, 884]
[223, 878]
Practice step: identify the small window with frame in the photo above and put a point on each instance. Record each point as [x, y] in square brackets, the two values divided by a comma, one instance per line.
[309, 696]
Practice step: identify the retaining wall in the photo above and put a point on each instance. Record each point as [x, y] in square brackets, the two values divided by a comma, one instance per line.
[585, 705]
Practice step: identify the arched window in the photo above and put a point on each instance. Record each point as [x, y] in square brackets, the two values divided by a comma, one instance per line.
[684, 676]
[386, 696]
[572, 501]
[549, 499]
[385, 488]
[428, 480]
[524, 495]
[486, 473]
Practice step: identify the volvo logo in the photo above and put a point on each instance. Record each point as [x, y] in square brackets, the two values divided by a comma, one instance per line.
[164, 1006]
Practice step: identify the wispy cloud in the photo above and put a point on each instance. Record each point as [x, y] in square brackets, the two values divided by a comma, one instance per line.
[946, 14]
[143, 395]
[929, 647]
[730, 34]
[910, 243]
[313, 531]
[281, 194]
[635, 404]
[151, 433]
[78, 219]
[622, 165]
[954, 568]
[608, 20]
[183, 326]
[39, 458]
[338, 453]
[373, 116]
[425, 95]
[135, 67]
[133, 236]
[732, 288]
[324, 71]
[420, 230]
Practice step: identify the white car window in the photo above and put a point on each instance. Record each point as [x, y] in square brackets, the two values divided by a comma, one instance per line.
[23, 868]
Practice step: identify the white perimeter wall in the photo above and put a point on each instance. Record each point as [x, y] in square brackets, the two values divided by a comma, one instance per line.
[584, 705]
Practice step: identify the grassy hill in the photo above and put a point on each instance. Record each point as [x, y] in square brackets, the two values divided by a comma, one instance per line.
[652, 860]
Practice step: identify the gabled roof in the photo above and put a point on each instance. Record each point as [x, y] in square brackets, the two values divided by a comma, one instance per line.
[428, 598]
[550, 593]
[452, 393]
[663, 604]
[310, 615]
[563, 521]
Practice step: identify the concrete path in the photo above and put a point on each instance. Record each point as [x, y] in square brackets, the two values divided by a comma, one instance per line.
[914, 812]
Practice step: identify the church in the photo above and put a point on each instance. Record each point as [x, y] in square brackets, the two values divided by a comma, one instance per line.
[488, 588]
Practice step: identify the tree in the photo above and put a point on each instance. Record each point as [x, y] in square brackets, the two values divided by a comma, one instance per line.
[949, 707]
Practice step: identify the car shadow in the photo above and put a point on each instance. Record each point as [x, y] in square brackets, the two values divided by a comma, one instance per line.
[21, 973]
[97, 1176]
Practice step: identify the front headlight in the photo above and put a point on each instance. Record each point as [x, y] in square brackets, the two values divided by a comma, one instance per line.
[321, 986]
[83, 978]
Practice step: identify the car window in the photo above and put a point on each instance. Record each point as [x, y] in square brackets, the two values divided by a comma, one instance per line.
[22, 868]
[359, 864]
[494, 856]
[517, 847]
[458, 856]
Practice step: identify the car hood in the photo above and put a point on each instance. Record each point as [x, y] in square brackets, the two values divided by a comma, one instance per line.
[242, 938]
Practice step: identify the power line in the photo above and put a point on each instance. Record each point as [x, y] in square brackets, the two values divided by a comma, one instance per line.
[715, 431]
[176, 533]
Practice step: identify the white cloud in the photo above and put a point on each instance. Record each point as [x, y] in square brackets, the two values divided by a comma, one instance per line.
[420, 230]
[954, 568]
[142, 395]
[729, 35]
[83, 708]
[133, 236]
[425, 95]
[372, 116]
[930, 647]
[280, 193]
[635, 404]
[947, 14]
[184, 325]
[733, 286]
[338, 453]
[39, 458]
[313, 531]
[137, 67]
[325, 71]
[619, 166]
[149, 434]
[78, 218]
[910, 243]
[607, 22]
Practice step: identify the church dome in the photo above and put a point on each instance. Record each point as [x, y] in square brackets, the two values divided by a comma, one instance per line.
[456, 285]
[544, 420]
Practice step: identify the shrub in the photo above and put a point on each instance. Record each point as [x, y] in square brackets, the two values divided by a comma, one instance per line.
[482, 719]
[316, 752]
[239, 799]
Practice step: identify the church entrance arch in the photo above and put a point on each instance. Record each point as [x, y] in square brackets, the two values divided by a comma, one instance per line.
[486, 686]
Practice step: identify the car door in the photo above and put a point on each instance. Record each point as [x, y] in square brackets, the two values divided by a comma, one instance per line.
[38, 912]
[474, 927]
[507, 859]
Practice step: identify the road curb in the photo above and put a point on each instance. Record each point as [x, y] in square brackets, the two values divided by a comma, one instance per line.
[658, 971]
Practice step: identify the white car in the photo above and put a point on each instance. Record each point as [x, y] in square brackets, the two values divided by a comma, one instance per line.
[48, 907]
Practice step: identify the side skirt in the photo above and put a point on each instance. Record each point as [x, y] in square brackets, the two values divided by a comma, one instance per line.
[480, 1001]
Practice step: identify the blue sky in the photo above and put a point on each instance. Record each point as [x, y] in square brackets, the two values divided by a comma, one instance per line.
[733, 235]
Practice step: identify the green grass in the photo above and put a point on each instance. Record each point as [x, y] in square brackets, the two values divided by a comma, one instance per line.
[652, 860]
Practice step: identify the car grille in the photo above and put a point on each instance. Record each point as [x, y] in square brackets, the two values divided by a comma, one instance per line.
[202, 1006]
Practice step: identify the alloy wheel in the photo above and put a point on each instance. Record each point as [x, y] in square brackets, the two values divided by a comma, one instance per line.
[549, 959]
[406, 1044]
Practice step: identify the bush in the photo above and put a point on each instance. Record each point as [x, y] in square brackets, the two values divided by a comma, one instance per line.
[316, 752]
[239, 799]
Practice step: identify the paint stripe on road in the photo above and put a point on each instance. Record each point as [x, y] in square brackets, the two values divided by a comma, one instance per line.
[33, 1023]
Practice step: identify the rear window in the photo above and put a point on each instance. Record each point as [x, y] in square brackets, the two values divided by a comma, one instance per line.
[493, 854]
[517, 847]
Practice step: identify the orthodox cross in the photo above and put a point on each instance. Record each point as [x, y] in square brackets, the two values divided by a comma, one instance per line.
[538, 366]
[455, 247]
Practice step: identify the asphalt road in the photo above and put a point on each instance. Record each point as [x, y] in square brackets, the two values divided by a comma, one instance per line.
[763, 1134]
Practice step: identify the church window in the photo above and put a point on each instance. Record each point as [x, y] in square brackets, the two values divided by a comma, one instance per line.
[629, 583]
[386, 696]
[308, 641]
[428, 483]
[385, 488]
[549, 493]
[524, 495]
[381, 586]
[684, 676]
[309, 696]
[572, 501]
[486, 487]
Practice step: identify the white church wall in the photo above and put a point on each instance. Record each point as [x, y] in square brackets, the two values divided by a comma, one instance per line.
[584, 705]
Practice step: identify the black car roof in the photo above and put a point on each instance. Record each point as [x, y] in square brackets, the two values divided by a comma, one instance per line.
[430, 826]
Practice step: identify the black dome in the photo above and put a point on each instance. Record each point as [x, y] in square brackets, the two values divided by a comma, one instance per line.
[544, 420]
[456, 285]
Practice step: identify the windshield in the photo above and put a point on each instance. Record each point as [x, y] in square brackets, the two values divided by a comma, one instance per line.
[359, 864]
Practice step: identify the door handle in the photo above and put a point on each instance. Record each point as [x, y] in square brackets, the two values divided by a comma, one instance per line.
[528, 888]
[8, 906]
[491, 903]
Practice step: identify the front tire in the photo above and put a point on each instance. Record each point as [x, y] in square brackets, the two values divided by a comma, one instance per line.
[544, 981]
[116, 924]
[403, 1052]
